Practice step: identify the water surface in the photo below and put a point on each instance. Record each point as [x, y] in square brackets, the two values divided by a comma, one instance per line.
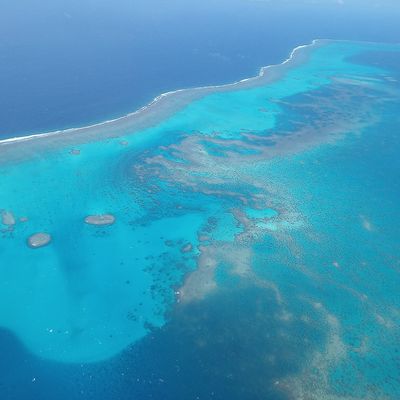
[254, 253]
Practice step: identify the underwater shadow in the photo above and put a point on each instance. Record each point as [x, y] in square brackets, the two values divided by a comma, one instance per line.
[238, 343]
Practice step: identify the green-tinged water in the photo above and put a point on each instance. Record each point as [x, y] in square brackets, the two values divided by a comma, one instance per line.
[255, 242]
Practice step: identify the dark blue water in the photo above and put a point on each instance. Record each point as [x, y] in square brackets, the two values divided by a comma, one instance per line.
[182, 360]
[66, 64]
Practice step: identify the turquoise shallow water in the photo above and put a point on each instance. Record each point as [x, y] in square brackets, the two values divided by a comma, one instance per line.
[255, 245]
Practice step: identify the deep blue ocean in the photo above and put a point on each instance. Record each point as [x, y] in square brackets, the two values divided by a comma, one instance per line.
[67, 64]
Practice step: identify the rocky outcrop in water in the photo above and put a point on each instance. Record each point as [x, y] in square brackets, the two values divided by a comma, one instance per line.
[104, 219]
[39, 239]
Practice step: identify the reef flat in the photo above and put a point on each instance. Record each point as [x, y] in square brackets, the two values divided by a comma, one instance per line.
[161, 108]
[261, 215]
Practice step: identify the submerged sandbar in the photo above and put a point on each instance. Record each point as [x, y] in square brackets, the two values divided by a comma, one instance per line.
[7, 218]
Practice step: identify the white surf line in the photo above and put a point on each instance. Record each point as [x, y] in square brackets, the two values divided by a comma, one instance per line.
[155, 100]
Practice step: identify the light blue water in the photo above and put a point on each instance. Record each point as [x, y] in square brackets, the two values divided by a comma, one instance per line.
[254, 254]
